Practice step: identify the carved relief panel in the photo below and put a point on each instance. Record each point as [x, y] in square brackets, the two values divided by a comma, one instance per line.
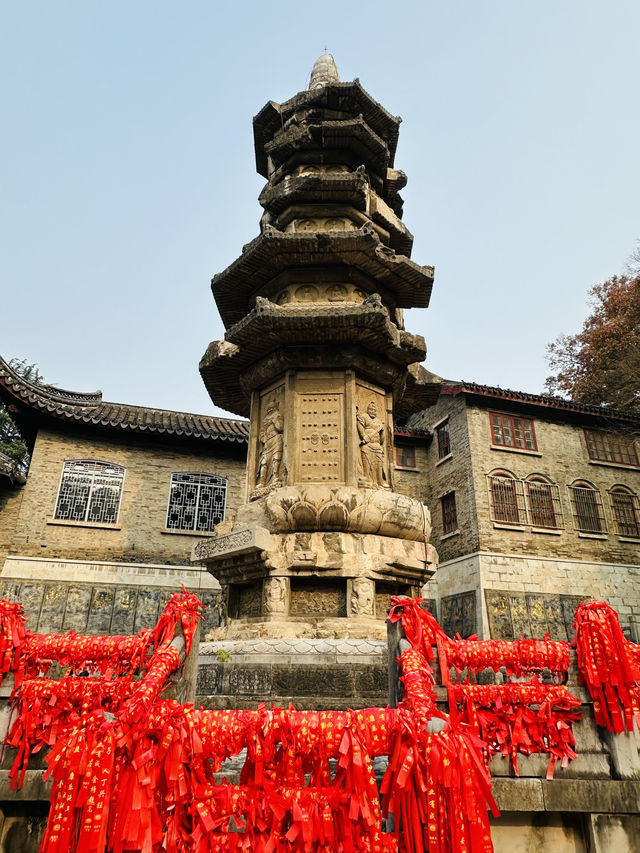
[320, 421]
[373, 437]
[321, 292]
[269, 448]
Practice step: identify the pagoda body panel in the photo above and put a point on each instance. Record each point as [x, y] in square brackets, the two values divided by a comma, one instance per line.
[316, 353]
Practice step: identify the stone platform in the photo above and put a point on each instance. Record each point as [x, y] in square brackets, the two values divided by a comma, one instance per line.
[331, 674]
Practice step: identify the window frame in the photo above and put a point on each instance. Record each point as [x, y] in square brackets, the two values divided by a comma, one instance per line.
[198, 485]
[93, 486]
[552, 491]
[586, 487]
[449, 526]
[500, 476]
[403, 448]
[511, 419]
[444, 447]
[633, 505]
[608, 444]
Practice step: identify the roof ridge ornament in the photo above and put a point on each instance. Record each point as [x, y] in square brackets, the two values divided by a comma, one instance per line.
[324, 72]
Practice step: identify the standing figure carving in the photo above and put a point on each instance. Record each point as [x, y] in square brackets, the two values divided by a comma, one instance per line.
[271, 440]
[362, 600]
[275, 596]
[371, 433]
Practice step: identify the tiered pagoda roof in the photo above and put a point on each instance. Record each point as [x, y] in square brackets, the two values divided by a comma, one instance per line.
[330, 268]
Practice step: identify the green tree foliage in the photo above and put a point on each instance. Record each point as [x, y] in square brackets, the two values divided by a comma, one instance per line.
[600, 365]
[11, 443]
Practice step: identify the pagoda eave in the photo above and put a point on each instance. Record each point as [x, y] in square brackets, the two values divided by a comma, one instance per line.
[273, 251]
[352, 135]
[350, 98]
[269, 326]
[328, 187]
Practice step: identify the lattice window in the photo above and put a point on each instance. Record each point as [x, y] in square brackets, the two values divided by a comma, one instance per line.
[449, 514]
[196, 501]
[444, 440]
[626, 511]
[89, 491]
[588, 510]
[507, 431]
[543, 499]
[506, 499]
[607, 447]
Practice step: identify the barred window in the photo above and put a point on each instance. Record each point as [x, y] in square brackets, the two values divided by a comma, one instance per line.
[89, 491]
[543, 499]
[196, 502]
[506, 498]
[405, 456]
[512, 432]
[588, 510]
[449, 514]
[607, 447]
[444, 440]
[626, 511]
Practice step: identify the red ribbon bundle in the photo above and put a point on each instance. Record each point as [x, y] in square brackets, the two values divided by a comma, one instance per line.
[112, 655]
[436, 785]
[134, 772]
[608, 665]
[49, 710]
[12, 635]
[520, 657]
[183, 608]
[502, 716]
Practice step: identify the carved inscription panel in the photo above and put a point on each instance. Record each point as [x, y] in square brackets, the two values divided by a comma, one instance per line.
[320, 424]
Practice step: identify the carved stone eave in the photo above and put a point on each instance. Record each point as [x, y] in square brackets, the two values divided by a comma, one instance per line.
[350, 98]
[273, 251]
[422, 389]
[306, 196]
[353, 135]
[324, 188]
[270, 326]
[230, 385]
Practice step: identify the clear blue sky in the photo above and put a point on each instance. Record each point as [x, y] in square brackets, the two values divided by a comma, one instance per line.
[128, 176]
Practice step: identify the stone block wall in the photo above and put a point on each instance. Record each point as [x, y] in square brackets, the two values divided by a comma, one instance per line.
[450, 474]
[139, 535]
[10, 501]
[413, 481]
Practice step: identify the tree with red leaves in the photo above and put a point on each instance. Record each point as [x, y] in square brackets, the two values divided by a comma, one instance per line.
[600, 365]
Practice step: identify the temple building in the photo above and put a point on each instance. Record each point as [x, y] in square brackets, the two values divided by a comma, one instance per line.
[535, 508]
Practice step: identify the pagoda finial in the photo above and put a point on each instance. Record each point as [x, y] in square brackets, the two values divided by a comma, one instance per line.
[324, 72]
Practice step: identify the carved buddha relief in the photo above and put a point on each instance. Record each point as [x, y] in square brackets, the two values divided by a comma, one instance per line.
[307, 293]
[336, 293]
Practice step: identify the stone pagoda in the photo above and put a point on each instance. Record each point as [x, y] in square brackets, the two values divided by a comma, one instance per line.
[316, 355]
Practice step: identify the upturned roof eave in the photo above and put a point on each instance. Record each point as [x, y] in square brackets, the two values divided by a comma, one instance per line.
[34, 405]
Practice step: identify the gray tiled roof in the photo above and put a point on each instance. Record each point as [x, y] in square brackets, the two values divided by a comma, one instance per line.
[91, 409]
